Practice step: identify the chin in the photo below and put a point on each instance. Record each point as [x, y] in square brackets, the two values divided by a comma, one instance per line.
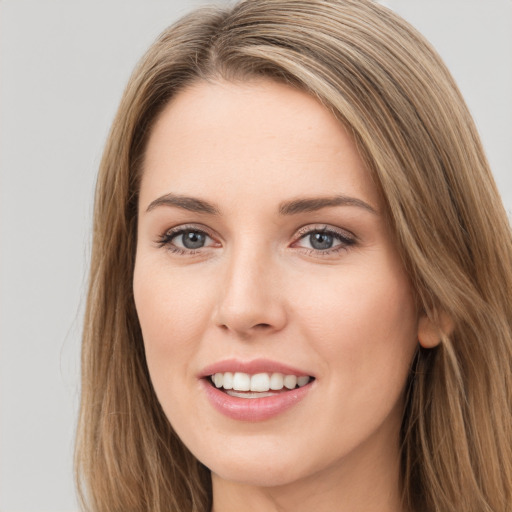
[259, 460]
[257, 474]
[262, 461]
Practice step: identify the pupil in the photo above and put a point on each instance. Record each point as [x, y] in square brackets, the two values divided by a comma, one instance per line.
[321, 241]
[193, 240]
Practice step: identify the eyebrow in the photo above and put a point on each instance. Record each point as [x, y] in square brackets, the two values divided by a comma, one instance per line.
[305, 205]
[292, 207]
[187, 203]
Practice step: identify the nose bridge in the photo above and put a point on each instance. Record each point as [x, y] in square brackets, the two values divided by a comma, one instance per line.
[250, 299]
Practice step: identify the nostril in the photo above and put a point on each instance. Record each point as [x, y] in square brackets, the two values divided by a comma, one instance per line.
[256, 327]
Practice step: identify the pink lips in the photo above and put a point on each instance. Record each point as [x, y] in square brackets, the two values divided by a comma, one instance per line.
[252, 409]
[252, 367]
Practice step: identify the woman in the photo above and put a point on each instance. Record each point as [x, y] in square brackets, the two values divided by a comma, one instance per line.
[301, 274]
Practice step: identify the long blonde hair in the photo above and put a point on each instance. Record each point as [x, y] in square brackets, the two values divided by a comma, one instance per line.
[388, 86]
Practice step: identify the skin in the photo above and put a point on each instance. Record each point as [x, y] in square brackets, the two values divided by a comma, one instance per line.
[258, 289]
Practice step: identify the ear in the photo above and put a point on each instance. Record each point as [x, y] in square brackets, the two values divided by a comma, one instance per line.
[430, 332]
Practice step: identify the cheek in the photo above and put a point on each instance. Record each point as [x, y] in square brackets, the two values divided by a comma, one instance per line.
[358, 300]
[170, 305]
[173, 314]
[363, 332]
[364, 324]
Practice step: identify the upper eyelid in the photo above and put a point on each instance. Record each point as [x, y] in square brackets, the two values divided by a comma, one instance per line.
[165, 237]
[299, 233]
[190, 227]
[312, 228]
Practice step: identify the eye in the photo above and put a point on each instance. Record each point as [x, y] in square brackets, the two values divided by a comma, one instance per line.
[190, 239]
[184, 239]
[321, 241]
[324, 240]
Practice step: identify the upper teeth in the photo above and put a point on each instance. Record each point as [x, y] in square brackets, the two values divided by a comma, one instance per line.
[259, 382]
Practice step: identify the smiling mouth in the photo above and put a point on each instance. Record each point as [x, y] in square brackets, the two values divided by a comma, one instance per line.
[259, 385]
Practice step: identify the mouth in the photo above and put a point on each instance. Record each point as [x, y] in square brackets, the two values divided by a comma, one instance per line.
[256, 390]
[258, 385]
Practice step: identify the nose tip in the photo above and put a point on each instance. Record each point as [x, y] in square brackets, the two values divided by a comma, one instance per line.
[249, 316]
[251, 301]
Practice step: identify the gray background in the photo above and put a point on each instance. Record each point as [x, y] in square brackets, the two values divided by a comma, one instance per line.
[63, 66]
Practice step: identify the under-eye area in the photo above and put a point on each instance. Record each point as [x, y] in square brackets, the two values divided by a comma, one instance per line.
[259, 385]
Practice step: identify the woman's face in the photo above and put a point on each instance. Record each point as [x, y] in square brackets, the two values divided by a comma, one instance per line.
[264, 258]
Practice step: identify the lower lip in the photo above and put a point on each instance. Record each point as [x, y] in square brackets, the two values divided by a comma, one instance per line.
[253, 409]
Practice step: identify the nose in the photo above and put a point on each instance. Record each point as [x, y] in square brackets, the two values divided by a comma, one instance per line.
[251, 298]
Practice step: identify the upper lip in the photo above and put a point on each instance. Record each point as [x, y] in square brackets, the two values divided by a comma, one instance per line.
[251, 367]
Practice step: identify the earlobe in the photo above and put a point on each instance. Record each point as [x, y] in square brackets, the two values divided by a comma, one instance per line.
[430, 332]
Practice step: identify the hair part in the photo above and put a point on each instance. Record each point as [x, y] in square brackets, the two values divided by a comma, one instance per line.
[386, 84]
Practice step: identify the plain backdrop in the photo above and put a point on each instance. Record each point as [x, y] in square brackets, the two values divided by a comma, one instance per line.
[63, 66]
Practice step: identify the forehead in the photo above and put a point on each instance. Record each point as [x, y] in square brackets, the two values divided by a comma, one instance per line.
[258, 136]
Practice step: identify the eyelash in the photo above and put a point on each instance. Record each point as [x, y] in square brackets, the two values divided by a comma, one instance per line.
[166, 239]
[346, 239]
